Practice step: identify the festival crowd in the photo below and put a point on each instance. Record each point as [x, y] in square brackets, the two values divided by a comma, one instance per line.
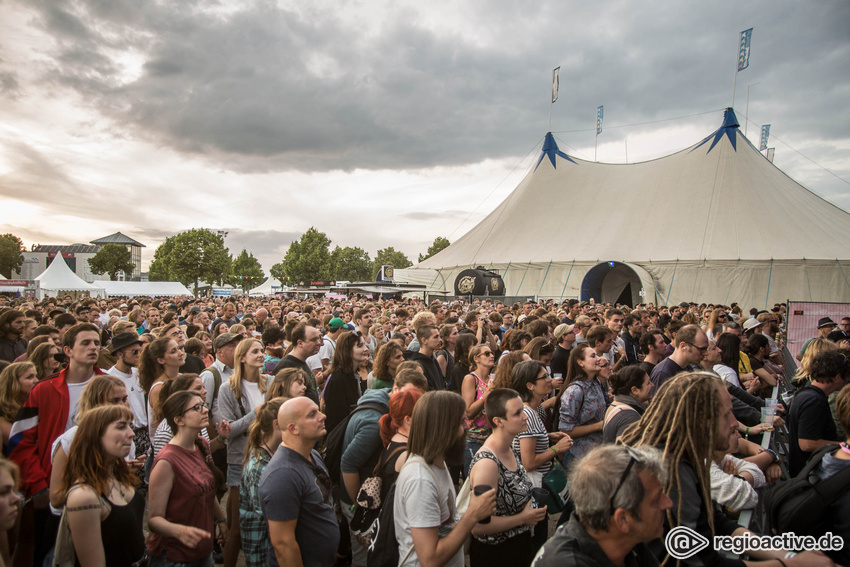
[370, 432]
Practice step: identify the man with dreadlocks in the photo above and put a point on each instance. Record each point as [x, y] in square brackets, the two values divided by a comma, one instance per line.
[690, 418]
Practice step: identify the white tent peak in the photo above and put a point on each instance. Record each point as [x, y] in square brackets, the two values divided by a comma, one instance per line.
[59, 277]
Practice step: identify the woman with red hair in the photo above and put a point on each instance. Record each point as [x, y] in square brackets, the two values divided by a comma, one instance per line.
[395, 427]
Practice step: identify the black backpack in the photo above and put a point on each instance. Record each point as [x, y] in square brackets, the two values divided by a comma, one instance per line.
[801, 504]
[383, 549]
[335, 441]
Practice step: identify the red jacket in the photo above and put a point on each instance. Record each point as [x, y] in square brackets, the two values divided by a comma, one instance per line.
[39, 422]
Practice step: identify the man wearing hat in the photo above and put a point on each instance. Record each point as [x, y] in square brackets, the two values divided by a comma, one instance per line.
[127, 348]
[752, 326]
[220, 371]
[565, 336]
[335, 327]
[825, 327]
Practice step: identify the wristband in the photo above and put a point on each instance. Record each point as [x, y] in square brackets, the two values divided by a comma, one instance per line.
[747, 434]
[554, 450]
[222, 439]
[790, 554]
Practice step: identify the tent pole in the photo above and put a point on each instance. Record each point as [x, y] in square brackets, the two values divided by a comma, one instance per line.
[595, 144]
[506, 270]
[769, 278]
[523, 278]
[840, 267]
[563, 291]
[808, 283]
[544, 278]
[670, 289]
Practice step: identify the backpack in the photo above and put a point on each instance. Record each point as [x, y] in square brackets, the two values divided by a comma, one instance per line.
[335, 441]
[383, 549]
[801, 504]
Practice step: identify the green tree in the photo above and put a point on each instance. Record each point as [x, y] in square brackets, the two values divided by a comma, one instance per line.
[111, 259]
[309, 258]
[439, 244]
[277, 272]
[392, 257]
[191, 256]
[159, 270]
[11, 255]
[351, 264]
[247, 271]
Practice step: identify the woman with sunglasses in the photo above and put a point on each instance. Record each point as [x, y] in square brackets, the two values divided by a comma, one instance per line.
[476, 387]
[183, 508]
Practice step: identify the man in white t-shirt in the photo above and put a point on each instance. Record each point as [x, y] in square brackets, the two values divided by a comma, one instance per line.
[335, 328]
[128, 348]
[426, 523]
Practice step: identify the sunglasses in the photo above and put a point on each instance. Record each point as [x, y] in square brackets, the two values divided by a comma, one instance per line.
[701, 349]
[633, 458]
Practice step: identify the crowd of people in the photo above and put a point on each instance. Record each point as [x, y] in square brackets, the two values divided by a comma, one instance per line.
[320, 432]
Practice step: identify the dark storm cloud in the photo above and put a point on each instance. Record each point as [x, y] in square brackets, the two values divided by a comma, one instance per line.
[267, 88]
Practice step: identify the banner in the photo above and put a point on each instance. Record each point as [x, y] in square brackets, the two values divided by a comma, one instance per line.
[744, 53]
[599, 120]
[765, 134]
[555, 83]
[770, 152]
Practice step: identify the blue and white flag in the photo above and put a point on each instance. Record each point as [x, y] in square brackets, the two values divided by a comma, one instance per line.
[744, 53]
[765, 134]
[599, 120]
[555, 83]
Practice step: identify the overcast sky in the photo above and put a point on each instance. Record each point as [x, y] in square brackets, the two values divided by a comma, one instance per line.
[381, 123]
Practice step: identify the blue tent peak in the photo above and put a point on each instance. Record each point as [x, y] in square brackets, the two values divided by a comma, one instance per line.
[550, 149]
[729, 128]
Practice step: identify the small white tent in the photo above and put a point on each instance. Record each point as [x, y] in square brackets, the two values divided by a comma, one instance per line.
[58, 277]
[716, 222]
[268, 287]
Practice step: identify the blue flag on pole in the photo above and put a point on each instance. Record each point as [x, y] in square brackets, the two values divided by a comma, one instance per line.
[765, 134]
[599, 120]
[555, 83]
[744, 53]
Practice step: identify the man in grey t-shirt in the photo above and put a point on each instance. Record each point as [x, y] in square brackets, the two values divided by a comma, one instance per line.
[295, 492]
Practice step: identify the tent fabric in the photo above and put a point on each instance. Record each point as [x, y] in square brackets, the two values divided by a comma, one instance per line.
[148, 289]
[59, 277]
[714, 222]
[265, 288]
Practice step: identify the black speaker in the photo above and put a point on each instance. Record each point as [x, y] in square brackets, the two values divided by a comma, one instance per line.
[479, 281]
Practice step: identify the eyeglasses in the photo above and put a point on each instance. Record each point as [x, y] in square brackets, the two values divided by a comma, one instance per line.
[197, 407]
[488, 353]
[633, 458]
[699, 348]
[544, 377]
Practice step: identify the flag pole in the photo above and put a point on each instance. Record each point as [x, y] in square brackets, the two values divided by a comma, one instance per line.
[595, 144]
[549, 129]
[735, 80]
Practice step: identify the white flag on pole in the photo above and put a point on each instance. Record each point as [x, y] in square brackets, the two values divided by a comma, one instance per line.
[555, 83]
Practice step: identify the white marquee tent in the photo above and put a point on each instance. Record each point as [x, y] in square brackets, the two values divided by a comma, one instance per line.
[148, 289]
[268, 287]
[58, 277]
[716, 222]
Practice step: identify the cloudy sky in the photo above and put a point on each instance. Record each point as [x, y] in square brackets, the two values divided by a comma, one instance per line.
[381, 123]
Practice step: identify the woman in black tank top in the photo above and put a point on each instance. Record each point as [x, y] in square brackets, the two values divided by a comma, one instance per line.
[103, 509]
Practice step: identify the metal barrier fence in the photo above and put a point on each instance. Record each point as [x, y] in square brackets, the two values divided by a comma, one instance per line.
[777, 441]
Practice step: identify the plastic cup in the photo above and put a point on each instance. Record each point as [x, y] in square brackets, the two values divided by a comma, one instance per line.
[478, 491]
[540, 497]
[771, 403]
[767, 415]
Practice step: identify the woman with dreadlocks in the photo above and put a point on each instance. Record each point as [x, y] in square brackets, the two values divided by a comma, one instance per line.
[689, 419]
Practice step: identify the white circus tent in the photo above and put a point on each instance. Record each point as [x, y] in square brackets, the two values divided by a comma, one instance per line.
[268, 287]
[716, 222]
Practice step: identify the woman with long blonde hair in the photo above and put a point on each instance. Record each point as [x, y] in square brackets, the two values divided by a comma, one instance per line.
[817, 346]
[239, 400]
[16, 381]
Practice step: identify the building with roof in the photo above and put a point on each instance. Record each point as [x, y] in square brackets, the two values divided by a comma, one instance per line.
[715, 222]
[77, 256]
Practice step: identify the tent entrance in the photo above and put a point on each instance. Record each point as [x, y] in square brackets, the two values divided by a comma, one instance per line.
[612, 282]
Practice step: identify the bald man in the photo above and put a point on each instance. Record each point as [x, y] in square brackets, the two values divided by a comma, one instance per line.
[295, 492]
